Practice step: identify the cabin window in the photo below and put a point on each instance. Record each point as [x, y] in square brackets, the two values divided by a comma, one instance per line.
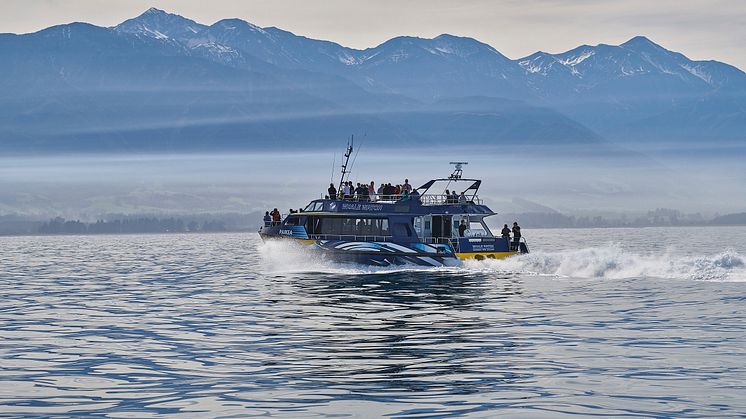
[293, 221]
[313, 225]
[427, 224]
[349, 226]
[402, 229]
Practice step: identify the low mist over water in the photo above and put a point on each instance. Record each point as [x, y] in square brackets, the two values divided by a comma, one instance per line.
[519, 179]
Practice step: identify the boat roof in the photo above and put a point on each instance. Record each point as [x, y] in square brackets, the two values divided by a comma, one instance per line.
[421, 203]
[402, 207]
[473, 184]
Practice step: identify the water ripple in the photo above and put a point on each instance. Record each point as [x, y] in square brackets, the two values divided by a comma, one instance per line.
[144, 326]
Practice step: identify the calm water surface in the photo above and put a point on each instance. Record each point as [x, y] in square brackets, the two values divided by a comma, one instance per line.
[634, 323]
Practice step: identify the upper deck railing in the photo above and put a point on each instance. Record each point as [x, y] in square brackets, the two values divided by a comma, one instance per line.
[427, 199]
[442, 199]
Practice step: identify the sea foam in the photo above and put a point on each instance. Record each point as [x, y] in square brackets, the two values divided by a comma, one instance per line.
[606, 262]
[613, 262]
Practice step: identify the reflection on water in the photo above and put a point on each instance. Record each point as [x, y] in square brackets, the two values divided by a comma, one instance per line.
[144, 326]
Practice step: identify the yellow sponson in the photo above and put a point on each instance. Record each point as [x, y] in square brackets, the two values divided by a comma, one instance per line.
[484, 255]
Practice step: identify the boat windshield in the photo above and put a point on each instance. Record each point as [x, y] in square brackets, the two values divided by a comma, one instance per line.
[477, 229]
[314, 207]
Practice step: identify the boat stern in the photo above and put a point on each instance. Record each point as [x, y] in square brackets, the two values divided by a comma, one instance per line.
[482, 248]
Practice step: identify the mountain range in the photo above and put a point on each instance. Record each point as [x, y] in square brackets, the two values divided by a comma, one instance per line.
[161, 81]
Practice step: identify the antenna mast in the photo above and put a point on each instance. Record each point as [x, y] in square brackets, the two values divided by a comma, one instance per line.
[334, 163]
[457, 171]
[348, 153]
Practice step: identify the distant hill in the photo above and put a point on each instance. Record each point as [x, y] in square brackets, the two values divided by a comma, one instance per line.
[730, 219]
[160, 81]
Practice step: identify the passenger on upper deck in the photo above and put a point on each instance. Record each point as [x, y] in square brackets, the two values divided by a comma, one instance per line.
[388, 190]
[414, 196]
[372, 191]
[454, 198]
[364, 194]
[406, 187]
[462, 198]
[448, 196]
[332, 191]
[346, 192]
[358, 192]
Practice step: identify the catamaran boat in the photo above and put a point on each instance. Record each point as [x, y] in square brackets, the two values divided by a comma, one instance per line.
[422, 228]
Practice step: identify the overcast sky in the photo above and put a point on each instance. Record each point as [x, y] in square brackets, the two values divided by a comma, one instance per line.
[701, 29]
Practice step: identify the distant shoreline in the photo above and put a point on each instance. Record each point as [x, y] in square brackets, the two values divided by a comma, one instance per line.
[254, 230]
[118, 224]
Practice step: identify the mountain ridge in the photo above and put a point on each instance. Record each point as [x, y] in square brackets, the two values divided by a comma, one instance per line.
[402, 88]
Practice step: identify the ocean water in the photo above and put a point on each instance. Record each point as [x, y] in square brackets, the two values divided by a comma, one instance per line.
[612, 322]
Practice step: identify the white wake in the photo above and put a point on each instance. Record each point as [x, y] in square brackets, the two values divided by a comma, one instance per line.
[608, 262]
[612, 262]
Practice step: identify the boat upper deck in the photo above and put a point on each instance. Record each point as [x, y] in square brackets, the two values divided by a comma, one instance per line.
[422, 205]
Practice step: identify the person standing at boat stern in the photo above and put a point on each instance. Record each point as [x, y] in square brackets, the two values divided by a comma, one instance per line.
[462, 228]
[516, 235]
[505, 232]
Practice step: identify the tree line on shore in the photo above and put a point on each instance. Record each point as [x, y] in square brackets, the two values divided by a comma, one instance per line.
[59, 225]
[123, 224]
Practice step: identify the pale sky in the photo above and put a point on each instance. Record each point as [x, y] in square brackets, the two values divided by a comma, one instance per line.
[701, 29]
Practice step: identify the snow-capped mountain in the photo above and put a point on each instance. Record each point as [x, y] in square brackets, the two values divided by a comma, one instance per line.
[275, 46]
[447, 66]
[640, 91]
[455, 65]
[637, 68]
[156, 23]
[160, 79]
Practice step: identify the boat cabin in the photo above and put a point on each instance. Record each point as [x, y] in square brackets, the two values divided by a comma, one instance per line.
[429, 216]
